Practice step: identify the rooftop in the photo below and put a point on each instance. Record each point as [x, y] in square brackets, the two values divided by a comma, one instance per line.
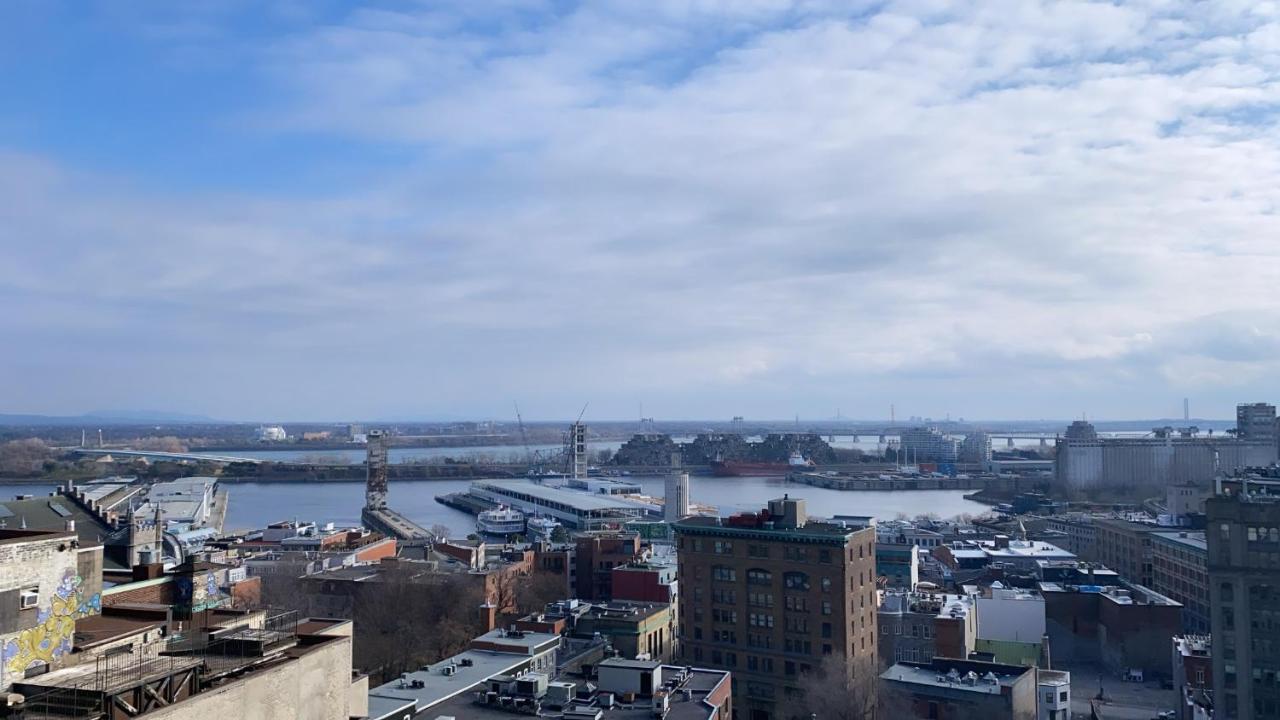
[687, 697]
[570, 498]
[970, 676]
[1195, 540]
[433, 684]
[813, 528]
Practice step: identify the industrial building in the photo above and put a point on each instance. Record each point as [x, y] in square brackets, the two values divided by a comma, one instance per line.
[1083, 460]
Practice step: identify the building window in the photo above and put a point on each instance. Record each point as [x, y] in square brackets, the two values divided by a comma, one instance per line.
[826, 630]
[724, 547]
[826, 584]
[756, 576]
[758, 551]
[826, 607]
[723, 573]
[824, 557]
[796, 581]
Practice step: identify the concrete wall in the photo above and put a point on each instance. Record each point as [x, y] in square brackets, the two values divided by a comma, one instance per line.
[315, 686]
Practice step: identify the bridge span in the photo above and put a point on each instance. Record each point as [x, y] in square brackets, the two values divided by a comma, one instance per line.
[160, 455]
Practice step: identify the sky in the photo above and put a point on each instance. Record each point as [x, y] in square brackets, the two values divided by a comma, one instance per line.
[690, 210]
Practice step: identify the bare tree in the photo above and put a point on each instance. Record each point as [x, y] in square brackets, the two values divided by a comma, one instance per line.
[168, 443]
[403, 623]
[20, 457]
[839, 689]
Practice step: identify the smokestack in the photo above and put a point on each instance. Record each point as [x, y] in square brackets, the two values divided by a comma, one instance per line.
[1186, 409]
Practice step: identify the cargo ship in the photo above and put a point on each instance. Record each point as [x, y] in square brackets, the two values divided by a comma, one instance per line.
[743, 468]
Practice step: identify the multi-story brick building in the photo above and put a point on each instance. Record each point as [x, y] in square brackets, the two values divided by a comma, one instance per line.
[596, 555]
[1179, 567]
[1078, 531]
[1244, 593]
[1125, 547]
[770, 595]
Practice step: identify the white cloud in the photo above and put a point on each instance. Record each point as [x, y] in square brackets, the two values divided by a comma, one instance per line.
[777, 202]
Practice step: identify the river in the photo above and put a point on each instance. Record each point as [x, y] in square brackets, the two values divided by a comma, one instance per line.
[253, 505]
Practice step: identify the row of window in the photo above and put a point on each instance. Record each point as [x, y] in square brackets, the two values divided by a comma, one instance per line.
[792, 553]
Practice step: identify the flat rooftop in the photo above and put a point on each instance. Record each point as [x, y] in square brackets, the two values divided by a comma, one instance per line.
[987, 678]
[573, 499]
[471, 668]
[1193, 540]
[815, 528]
[700, 684]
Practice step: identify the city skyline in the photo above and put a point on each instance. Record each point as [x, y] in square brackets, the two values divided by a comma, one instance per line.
[758, 209]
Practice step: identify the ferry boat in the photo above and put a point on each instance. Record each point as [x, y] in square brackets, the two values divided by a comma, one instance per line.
[500, 521]
[541, 528]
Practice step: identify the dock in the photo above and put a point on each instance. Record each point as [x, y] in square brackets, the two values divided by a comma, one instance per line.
[392, 524]
[465, 502]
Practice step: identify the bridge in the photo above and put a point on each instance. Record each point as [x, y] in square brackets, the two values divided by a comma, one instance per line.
[376, 514]
[160, 455]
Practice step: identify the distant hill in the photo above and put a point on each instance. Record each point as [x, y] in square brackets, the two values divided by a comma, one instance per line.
[109, 417]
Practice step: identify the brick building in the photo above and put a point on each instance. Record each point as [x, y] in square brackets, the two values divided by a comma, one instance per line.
[1193, 676]
[596, 555]
[770, 595]
[1179, 568]
[1119, 627]
[1125, 547]
[950, 689]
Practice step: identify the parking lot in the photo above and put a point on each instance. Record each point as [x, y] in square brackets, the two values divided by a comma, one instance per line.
[1122, 700]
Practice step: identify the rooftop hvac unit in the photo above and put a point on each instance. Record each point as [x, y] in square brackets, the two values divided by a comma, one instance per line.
[417, 684]
[605, 699]
[449, 670]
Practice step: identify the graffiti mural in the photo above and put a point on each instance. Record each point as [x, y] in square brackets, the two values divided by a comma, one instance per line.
[194, 594]
[55, 629]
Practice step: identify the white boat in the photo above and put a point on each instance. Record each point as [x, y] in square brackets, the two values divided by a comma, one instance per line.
[797, 460]
[500, 521]
[541, 528]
